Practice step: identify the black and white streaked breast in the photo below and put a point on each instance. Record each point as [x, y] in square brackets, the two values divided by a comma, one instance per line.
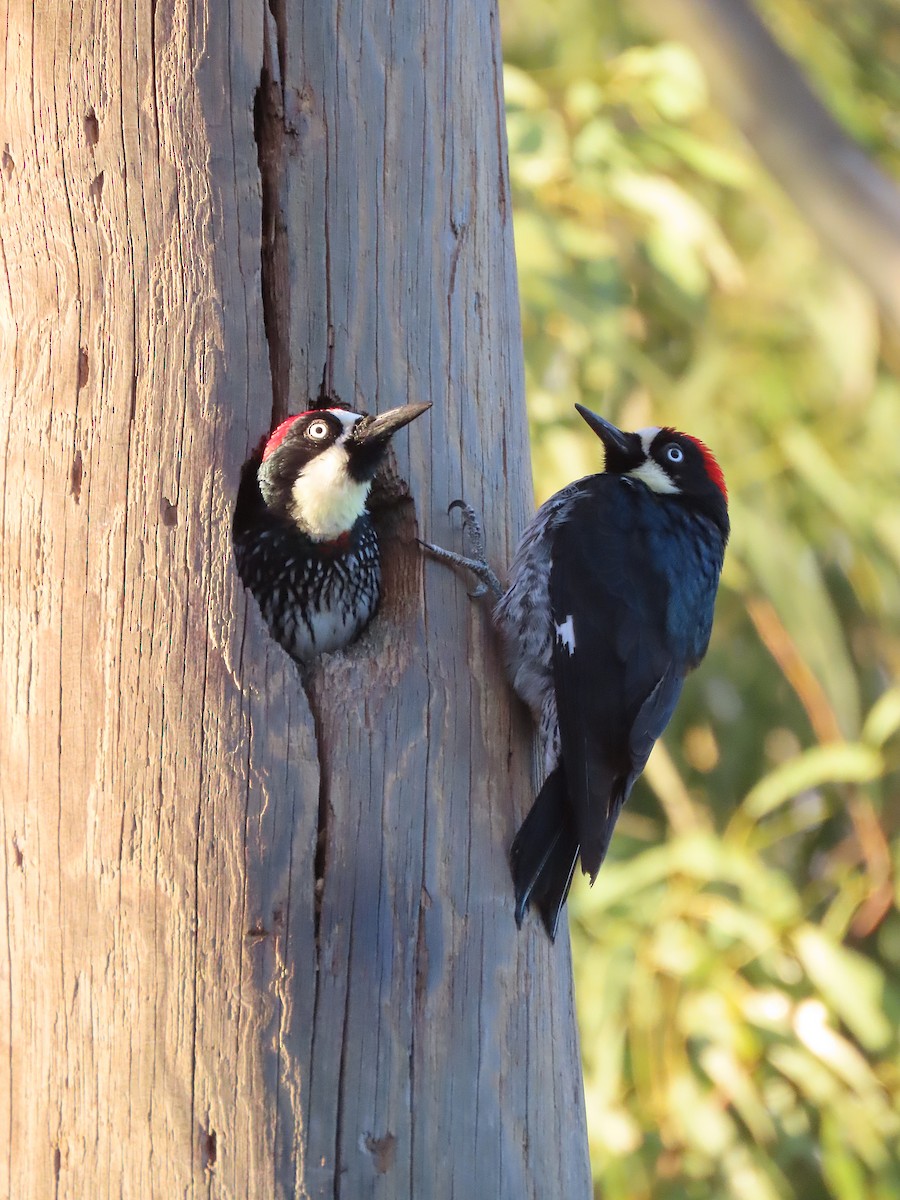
[314, 603]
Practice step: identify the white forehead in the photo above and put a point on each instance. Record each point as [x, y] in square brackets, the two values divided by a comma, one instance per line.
[647, 435]
[347, 419]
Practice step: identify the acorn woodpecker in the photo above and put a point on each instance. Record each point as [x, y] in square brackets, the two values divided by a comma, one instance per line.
[304, 541]
[610, 605]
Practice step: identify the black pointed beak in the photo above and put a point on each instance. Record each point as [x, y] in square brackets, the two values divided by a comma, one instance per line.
[377, 431]
[611, 437]
[368, 443]
[623, 450]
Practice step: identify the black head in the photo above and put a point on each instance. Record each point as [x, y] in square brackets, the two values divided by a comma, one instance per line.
[317, 467]
[669, 463]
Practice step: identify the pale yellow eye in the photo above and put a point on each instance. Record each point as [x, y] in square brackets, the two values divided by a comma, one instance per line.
[318, 431]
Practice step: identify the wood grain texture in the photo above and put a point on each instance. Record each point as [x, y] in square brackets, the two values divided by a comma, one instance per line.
[185, 1009]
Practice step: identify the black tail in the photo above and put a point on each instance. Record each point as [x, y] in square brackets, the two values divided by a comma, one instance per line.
[544, 853]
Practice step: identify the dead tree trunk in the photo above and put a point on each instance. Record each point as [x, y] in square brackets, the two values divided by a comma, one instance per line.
[259, 943]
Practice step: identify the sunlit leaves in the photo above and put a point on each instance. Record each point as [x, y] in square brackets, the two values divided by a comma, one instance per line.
[711, 1004]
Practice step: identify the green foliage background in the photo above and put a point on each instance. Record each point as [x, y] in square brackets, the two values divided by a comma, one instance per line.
[738, 961]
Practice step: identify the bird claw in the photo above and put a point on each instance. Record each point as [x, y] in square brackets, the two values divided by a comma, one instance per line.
[473, 534]
[474, 560]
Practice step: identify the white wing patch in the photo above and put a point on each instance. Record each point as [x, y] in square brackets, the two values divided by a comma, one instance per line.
[565, 633]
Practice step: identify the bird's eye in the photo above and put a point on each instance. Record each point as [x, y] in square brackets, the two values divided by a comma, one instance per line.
[318, 430]
[674, 453]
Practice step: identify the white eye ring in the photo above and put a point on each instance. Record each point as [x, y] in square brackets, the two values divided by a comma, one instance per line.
[674, 453]
[318, 430]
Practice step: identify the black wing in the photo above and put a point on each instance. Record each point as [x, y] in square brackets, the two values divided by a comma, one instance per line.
[616, 682]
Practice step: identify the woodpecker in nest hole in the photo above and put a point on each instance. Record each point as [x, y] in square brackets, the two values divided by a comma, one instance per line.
[304, 541]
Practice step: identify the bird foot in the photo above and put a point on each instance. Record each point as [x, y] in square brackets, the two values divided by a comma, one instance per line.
[474, 559]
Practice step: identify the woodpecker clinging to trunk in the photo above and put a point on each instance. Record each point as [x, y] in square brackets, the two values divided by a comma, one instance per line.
[304, 541]
[610, 605]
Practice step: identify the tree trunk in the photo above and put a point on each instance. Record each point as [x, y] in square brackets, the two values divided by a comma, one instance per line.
[260, 938]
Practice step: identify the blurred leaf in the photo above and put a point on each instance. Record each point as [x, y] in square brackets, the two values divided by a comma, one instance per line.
[843, 1170]
[734, 1082]
[814, 1081]
[820, 472]
[852, 986]
[698, 1118]
[848, 762]
[706, 158]
[669, 75]
[789, 574]
[521, 91]
[883, 720]
[685, 241]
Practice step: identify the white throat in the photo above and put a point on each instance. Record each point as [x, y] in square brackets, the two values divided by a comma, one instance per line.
[650, 472]
[325, 499]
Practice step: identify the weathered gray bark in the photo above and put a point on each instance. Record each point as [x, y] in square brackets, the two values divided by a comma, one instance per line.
[187, 1008]
[851, 204]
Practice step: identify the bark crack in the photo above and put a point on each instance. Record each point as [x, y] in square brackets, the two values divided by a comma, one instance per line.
[342, 1071]
[320, 858]
[269, 132]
